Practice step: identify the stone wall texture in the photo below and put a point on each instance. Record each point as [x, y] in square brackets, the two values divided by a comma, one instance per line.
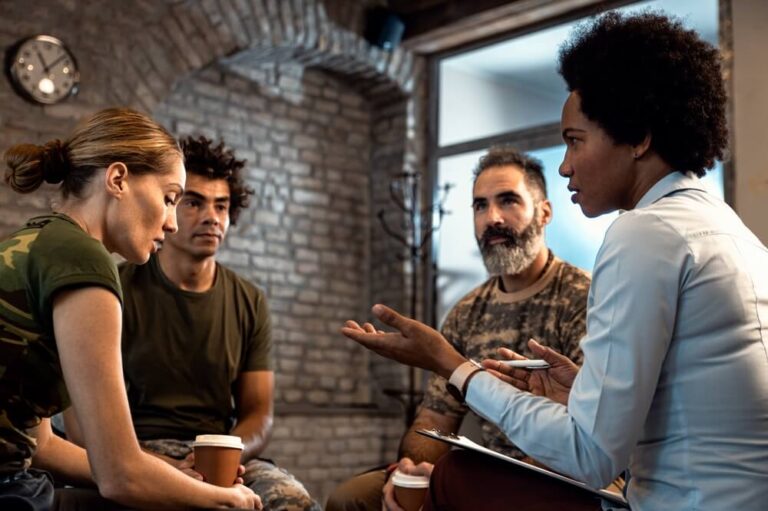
[325, 122]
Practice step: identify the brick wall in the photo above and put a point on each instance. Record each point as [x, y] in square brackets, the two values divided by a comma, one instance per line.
[304, 239]
[325, 121]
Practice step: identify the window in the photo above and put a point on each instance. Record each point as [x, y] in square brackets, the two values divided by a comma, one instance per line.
[510, 92]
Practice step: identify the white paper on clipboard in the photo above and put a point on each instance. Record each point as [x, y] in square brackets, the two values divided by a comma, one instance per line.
[466, 443]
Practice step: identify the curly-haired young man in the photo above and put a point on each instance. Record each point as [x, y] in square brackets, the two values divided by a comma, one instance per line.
[674, 381]
[196, 336]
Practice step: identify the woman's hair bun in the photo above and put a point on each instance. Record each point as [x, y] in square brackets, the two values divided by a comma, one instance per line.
[54, 162]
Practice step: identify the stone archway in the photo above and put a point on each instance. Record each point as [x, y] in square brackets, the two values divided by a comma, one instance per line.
[145, 53]
[185, 36]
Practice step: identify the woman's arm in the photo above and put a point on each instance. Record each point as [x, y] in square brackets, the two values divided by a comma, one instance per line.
[635, 292]
[65, 458]
[87, 323]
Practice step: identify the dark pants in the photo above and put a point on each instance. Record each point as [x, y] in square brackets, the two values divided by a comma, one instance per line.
[33, 490]
[28, 490]
[82, 499]
[465, 480]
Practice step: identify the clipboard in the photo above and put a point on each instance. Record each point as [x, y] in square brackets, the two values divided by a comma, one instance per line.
[466, 443]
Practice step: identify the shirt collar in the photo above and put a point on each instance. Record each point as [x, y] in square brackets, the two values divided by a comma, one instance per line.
[672, 182]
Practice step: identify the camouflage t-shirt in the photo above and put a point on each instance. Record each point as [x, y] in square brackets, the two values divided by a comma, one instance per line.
[50, 253]
[552, 311]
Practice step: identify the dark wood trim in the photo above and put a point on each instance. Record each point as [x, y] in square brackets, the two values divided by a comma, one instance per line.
[492, 25]
[725, 36]
[546, 135]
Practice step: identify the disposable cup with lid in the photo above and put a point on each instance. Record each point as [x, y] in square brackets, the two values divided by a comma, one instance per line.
[409, 490]
[217, 458]
[409, 481]
[231, 441]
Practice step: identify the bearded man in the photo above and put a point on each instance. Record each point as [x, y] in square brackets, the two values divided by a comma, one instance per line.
[531, 293]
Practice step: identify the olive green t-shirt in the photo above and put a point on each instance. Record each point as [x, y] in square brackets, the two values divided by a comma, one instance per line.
[553, 311]
[50, 253]
[183, 351]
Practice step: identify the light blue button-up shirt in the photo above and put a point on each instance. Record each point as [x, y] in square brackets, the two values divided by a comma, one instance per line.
[675, 377]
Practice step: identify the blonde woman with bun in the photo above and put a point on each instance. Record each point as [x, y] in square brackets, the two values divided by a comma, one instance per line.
[120, 176]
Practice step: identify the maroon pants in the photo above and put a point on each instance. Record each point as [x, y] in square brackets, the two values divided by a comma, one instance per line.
[466, 480]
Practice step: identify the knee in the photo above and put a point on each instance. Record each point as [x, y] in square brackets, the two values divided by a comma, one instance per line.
[452, 470]
[360, 493]
[345, 497]
[289, 499]
[338, 500]
[450, 463]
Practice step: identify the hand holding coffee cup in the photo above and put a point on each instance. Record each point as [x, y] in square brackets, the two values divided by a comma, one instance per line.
[217, 458]
[407, 486]
[410, 490]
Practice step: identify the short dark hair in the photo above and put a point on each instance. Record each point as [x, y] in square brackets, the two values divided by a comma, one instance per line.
[500, 156]
[202, 158]
[646, 74]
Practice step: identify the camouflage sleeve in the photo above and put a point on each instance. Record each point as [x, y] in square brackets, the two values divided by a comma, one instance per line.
[573, 324]
[436, 396]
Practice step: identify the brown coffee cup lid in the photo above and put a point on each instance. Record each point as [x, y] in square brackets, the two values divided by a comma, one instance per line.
[408, 481]
[229, 441]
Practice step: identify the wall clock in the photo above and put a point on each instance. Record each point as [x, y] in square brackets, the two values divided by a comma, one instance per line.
[42, 69]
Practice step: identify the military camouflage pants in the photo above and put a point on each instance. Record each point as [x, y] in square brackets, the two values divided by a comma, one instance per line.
[278, 489]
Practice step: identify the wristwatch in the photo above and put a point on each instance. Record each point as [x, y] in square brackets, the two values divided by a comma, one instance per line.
[457, 383]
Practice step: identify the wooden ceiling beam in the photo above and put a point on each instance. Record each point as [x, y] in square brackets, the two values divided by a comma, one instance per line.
[452, 23]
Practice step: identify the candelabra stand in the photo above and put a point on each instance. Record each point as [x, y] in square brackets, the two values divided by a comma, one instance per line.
[418, 224]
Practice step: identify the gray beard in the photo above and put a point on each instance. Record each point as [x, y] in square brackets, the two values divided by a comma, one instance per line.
[502, 259]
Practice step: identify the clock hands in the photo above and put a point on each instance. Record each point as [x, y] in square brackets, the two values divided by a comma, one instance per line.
[47, 67]
[42, 60]
[50, 66]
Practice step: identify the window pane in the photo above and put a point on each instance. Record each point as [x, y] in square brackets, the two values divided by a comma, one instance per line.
[572, 236]
[514, 84]
[460, 267]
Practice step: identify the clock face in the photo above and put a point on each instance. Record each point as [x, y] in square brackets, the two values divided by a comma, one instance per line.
[44, 70]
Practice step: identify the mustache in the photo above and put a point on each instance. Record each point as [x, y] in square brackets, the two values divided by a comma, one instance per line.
[510, 236]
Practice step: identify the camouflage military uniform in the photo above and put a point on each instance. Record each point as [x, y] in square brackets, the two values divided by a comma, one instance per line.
[552, 311]
[51, 252]
[278, 489]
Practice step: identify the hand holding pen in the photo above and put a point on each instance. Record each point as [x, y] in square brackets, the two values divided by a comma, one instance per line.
[552, 378]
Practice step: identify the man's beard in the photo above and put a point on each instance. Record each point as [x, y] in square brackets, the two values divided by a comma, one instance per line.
[516, 253]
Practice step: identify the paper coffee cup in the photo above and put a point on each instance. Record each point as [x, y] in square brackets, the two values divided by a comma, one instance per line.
[217, 458]
[410, 490]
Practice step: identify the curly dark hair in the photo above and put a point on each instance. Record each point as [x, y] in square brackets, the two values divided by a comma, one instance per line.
[201, 157]
[502, 155]
[646, 74]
